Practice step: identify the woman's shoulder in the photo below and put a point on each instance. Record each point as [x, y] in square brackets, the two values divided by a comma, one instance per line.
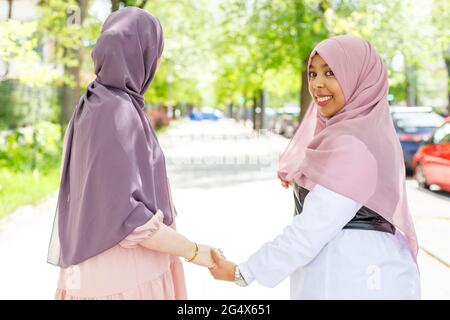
[347, 141]
[348, 165]
[117, 110]
[349, 149]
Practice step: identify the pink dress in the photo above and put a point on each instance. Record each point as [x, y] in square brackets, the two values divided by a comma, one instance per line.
[126, 271]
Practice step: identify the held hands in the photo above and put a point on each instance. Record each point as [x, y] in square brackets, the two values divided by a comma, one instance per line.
[222, 268]
[214, 259]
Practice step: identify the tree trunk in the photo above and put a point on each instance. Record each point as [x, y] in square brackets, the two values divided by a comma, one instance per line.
[6, 67]
[305, 97]
[10, 7]
[411, 85]
[254, 117]
[263, 105]
[115, 5]
[143, 3]
[230, 110]
[70, 94]
[447, 63]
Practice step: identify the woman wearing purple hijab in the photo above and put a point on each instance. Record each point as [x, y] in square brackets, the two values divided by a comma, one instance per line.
[114, 231]
[352, 236]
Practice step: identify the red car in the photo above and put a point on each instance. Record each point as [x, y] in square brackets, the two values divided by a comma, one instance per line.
[431, 163]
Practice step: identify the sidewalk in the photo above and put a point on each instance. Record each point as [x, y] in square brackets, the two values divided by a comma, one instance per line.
[432, 220]
[234, 207]
[24, 238]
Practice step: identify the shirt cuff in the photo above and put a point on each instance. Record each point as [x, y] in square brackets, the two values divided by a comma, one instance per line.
[143, 232]
[246, 273]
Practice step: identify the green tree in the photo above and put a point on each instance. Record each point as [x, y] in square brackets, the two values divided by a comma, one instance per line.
[187, 63]
[396, 28]
[63, 25]
[269, 39]
[441, 23]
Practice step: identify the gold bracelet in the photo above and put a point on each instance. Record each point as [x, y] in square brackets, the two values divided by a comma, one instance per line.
[195, 253]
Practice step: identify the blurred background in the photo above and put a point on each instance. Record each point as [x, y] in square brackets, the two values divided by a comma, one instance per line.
[231, 86]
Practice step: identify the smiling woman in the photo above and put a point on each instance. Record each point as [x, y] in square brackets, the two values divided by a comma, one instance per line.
[352, 236]
[324, 87]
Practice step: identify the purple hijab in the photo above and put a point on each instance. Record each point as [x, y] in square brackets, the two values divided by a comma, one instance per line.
[113, 176]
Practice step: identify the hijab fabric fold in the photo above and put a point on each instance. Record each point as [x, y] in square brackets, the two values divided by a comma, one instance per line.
[113, 176]
[356, 152]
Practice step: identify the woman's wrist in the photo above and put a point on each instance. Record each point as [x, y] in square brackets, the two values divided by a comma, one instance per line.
[193, 253]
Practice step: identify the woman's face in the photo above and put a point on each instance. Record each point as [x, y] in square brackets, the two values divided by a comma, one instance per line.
[324, 87]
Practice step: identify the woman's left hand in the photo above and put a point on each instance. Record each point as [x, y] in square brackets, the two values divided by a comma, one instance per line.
[285, 184]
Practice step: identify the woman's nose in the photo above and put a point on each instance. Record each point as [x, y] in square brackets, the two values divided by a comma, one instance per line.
[317, 84]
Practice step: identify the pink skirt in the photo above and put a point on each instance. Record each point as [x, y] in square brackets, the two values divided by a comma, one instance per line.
[168, 286]
[126, 271]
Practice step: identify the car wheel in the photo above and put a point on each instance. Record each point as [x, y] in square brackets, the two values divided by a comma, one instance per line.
[420, 177]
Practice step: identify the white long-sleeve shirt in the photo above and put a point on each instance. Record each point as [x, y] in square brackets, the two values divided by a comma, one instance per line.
[326, 261]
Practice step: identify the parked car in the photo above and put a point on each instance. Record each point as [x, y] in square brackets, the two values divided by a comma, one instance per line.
[414, 125]
[270, 116]
[206, 113]
[431, 162]
[286, 121]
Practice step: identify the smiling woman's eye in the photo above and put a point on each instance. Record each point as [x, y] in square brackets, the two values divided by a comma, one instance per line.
[329, 73]
[312, 74]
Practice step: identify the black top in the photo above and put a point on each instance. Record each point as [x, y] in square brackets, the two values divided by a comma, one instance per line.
[365, 218]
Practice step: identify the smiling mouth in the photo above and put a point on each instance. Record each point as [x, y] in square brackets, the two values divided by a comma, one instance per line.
[323, 101]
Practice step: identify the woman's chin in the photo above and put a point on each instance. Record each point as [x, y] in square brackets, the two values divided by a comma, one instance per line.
[325, 114]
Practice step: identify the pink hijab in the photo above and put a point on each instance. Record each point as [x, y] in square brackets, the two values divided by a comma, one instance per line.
[356, 152]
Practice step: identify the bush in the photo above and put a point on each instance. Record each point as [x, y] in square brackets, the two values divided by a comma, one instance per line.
[29, 165]
[158, 118]
[31, 148]
[21, 188]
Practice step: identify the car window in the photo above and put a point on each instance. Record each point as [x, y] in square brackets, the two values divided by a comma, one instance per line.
[416, 122]
[427, 116]
[442, 135]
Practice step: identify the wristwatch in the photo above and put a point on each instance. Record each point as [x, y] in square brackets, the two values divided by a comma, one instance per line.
[238, 278]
